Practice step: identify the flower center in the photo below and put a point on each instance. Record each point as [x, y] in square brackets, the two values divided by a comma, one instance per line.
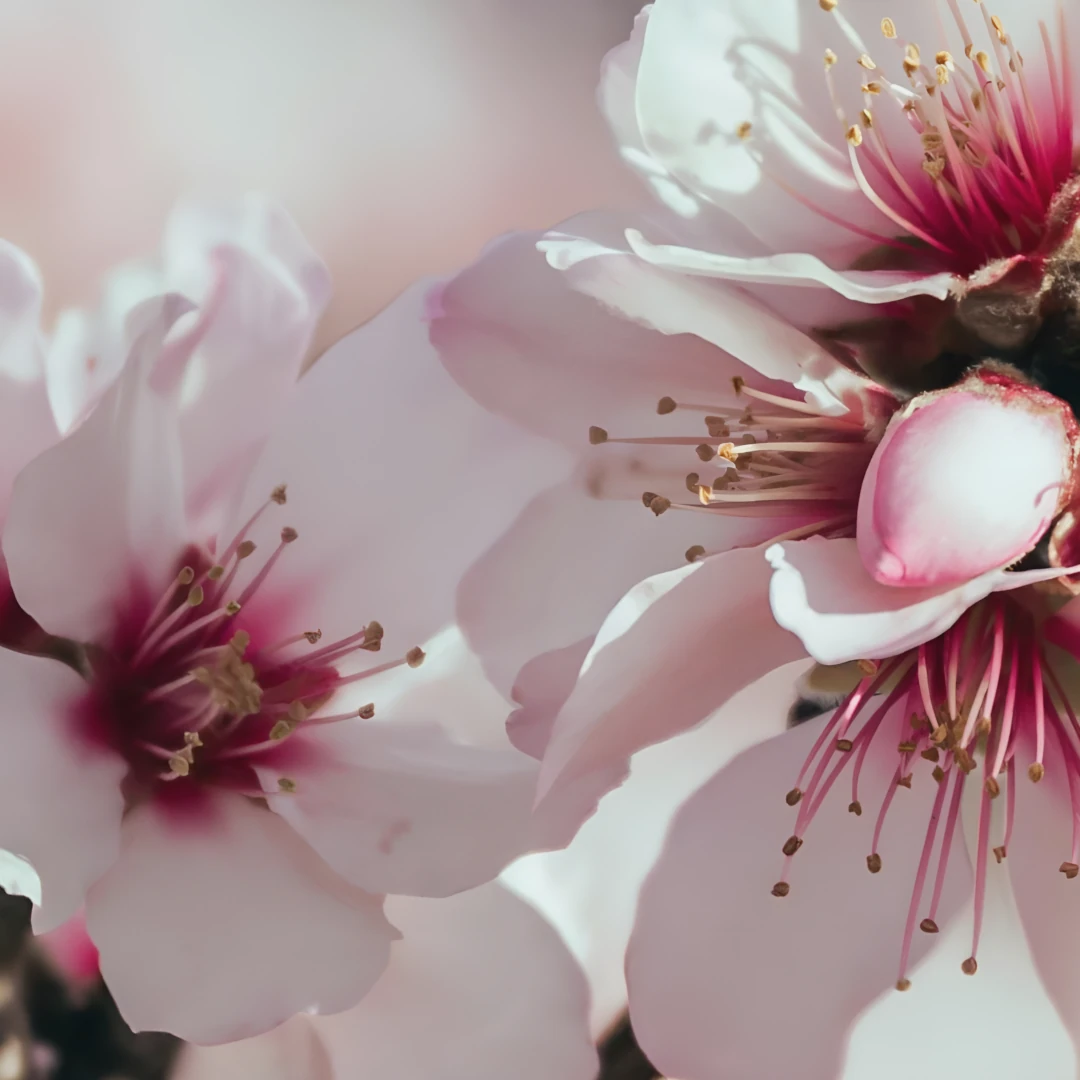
[961, 708]
[991, 156]
[188, 696]
[776, 457]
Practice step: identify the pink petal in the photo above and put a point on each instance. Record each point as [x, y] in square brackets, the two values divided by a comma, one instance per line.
[516, 335]
[480, 987]
[221, 926]
[678, 303]
[726, 980]
[397, 807]
[60, 800]
[115, 485]
[1047, 902]
[965, 480]
[864, 286]
[821, 592]
[589, 891]
[293, 1051]
[397, 482]
[275, 289]
[675, 648]
[703, 72]
[583, 551]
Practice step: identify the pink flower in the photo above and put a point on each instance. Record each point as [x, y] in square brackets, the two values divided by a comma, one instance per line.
[481, 987]
[219, 784]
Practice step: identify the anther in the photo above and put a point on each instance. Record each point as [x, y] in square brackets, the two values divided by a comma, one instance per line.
[939, 734]
[930, 753]
[938, 774]
[873, 863]
[904, 782]
[195, 596]
[855, 808]
[647, 498]
[928, 926]
[215, 573]
[693, 482]
[665, 405]
[844, 745]
[963, 759]
[278, 495]
[597, 435]
[373, 635]
[791, 845]
[297, 713]
[830, 59]
[744, 129]
[983, 61]
[1036, 771]
[1069, 869]
[366, 712]
[943, 57]
[983, 726]
[888, 28]
[659, 504]
[191, 738]
[793, 797]
[313, 636]
[992, 787]
[286, 785]
[179, 765]
[232, 608]
[186, 576]
[827, 5]
[903, 984]
[707, 453]
[969, 966]
[906, 748]
[415, 656]
[1000, 853]
[288, 535]
[738, 382]
[868, 667]
[694, 553]
[781, 888]
[282, 730]
[854, 136]
[245, 549]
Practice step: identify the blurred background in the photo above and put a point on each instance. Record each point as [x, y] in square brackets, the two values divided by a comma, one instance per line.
[400, 135]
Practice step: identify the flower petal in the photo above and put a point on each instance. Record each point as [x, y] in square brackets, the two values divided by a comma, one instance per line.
[397, 807]
[740, 324]
[513, 332]
[293, 1051]
[115, 487]
[589, 891]
[397, 482]
[223, 925]
[718, 968]
[60, 799]
[822, 592]
[864, 286]
[675, 648]
[481, 986]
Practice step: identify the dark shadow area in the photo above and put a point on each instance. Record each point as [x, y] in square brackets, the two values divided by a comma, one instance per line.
[621, 1058]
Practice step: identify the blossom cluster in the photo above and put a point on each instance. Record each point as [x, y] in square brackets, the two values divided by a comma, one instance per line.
[296, 662]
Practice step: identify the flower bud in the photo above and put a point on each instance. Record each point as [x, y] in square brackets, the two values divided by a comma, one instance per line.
[965, 480]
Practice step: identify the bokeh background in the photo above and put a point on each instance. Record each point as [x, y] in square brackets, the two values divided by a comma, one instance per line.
[401, 134]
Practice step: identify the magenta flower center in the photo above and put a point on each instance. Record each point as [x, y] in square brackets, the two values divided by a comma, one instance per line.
[989, 154]
[964, 709]
[189, 692]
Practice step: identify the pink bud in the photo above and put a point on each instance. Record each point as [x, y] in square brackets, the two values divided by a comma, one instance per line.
[965, 480]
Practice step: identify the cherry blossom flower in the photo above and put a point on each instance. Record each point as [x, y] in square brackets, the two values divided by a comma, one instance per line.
[218, 783]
